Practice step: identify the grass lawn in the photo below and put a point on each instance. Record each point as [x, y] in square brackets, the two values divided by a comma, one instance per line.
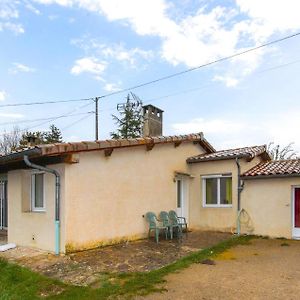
[20, 283]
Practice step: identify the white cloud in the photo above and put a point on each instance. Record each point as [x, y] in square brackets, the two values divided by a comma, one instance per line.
[229, 132]
[120, 53]
[111, 87]
[274, 15]
[15, 28]
[8, 10]
[21, 68]
[115, 52]
[207, 34]
[229, 81]
[88, 65]
[2, 95]
[32, 8]
[11, 115]
[8, 15]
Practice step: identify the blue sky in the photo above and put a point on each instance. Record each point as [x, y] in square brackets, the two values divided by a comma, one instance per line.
[72, 49]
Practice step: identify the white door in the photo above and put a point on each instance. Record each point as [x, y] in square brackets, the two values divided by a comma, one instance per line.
[296, 212]
[182, 196]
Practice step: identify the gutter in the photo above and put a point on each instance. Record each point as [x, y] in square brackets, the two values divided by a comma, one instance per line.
[18, 156]
[239, 191]
[57, 198]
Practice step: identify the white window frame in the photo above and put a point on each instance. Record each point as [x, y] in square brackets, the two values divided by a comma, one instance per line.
[218, 176]
[32, 193]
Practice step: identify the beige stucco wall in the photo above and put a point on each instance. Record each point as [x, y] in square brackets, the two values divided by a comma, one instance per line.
[33, 229]
[269, 205]
[107, 196]
[214, 218]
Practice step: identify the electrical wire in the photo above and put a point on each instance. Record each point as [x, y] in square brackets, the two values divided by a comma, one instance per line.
[203, 65]
[48, 120]
[186, 91]
[45, 119]
[76, 122]
[44, 102]
[151, 99]
[161, 78]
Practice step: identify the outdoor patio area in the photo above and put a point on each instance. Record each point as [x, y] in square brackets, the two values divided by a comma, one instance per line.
[83, 268]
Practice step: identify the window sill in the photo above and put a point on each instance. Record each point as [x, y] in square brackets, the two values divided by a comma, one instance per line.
[217, 206]
[38, 211]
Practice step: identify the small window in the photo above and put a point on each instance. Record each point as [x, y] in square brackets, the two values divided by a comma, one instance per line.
[217, 191]
[37, 192]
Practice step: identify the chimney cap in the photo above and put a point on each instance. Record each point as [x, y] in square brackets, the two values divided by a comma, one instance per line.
[152, 106]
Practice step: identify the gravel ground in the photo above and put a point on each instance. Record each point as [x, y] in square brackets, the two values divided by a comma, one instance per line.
[266, 269]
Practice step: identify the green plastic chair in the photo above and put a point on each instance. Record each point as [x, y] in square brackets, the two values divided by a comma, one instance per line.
[155, 225]
[164, 217]
[180, 221]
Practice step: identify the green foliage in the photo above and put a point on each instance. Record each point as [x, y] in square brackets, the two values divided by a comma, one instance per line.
[42, 137]
[20, 283]
[130, 121]
[53, 135]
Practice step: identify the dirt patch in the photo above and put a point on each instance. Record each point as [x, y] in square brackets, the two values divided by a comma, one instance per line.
[84, 268]
[262, 270]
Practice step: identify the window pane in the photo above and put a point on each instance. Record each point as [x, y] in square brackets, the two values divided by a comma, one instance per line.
[179, 193]
[39, 191]
[211, 190]
[226, 190]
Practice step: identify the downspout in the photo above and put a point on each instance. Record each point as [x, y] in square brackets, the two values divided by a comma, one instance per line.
[239, 191]
[57, 198]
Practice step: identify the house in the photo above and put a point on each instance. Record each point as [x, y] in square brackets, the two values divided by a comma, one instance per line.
[74, 196]
[244, 190]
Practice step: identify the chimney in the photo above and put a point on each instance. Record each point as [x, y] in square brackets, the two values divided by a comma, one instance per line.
[153, 121]
[31, 141]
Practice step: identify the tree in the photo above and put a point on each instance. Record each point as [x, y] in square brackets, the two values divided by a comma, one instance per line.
[130, 122]
[42, 137]
[278, 152]
[9, 141]
[15, 140]
[52, 136]
[37, 135]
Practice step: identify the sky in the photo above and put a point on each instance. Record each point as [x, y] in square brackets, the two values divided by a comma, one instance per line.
[78, 49]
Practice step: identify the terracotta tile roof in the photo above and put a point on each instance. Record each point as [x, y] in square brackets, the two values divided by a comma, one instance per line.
[275, 168]
[65, 148]
[120, 143]
[246, 152]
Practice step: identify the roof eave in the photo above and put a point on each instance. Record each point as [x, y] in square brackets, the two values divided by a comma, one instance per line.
[17, 156]
[249, 177]
[192, 161]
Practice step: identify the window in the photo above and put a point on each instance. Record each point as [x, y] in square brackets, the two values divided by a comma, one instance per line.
[37, 192]
[217, 191]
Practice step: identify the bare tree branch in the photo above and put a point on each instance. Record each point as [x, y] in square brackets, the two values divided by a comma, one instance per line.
[278, 152]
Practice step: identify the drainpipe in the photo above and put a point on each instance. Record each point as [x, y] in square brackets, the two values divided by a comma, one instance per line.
[239, 191]
[57, 198]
